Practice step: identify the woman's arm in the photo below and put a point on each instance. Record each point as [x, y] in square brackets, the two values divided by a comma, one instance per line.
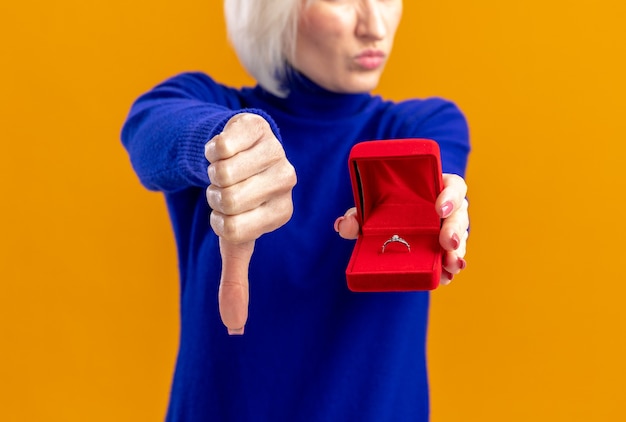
[443, 122]
[168, 127]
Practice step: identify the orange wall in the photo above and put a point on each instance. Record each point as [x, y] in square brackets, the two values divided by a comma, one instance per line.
[533, 330]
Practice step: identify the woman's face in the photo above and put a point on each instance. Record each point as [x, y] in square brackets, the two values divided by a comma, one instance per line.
[343, 45]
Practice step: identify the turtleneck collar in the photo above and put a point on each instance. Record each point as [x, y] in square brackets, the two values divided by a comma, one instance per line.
[307, 99]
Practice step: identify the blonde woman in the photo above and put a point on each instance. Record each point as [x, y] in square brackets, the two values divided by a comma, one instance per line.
[255, 180]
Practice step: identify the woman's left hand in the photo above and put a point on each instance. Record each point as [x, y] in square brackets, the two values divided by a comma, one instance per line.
[451, 205]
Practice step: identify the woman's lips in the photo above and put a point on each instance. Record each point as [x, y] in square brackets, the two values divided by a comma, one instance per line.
[370, 59]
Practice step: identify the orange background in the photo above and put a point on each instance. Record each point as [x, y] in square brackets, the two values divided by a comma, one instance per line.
[533, 330]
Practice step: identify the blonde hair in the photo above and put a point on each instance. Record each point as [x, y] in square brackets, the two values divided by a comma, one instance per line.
[263, 34]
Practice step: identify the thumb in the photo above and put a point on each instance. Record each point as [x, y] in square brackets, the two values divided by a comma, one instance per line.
[233, 291]
[348, 225]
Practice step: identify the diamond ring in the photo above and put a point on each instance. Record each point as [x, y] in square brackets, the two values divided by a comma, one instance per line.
[396, 239]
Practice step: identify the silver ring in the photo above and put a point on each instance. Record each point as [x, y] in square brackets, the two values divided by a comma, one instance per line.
[396, 239]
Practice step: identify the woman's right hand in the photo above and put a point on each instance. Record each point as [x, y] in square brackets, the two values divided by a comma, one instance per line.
[250, 194]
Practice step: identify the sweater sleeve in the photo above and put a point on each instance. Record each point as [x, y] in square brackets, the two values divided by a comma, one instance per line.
[167, 128]
[443, 122]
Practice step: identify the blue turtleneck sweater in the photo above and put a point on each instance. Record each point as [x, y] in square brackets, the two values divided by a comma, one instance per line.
[312, 350]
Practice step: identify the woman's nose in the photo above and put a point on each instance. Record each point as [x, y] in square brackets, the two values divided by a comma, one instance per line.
[371, 23]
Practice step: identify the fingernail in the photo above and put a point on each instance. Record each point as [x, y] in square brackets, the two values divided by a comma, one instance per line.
[462, 263]
[449, 275]
[446, 209]
[336, 225]
[235, 331]
[456, 242]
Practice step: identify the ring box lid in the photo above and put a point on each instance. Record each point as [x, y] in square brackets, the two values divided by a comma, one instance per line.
[395, 185]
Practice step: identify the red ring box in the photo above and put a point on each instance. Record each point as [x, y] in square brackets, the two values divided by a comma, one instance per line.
[395, 185]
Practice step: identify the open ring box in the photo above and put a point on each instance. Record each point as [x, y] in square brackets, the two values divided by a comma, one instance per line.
[395, 185]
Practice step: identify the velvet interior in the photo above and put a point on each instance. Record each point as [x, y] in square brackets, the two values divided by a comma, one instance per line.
[423, 255]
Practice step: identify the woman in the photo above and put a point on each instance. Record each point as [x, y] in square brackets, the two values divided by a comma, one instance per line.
[312, 350]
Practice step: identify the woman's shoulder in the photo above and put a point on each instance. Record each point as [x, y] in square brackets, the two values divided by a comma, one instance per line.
[422, 107]
[201, 86]
[414, 115]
